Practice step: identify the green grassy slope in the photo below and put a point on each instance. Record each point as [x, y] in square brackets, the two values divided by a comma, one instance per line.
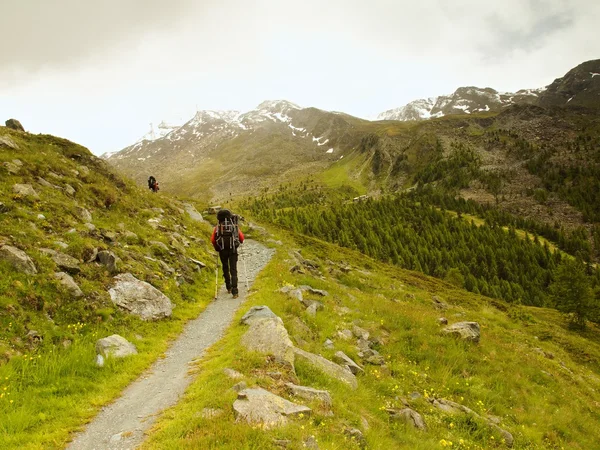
[528, 370]
[49, 383]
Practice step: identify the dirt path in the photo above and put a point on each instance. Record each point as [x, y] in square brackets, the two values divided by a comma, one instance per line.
[121, 425]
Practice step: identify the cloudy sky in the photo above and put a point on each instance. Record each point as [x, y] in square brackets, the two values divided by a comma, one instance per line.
[99, 72]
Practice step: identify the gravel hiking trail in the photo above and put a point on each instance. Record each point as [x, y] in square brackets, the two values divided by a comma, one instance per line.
[122, 424]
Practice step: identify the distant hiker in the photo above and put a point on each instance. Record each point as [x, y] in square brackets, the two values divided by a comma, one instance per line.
[152, 184]
[226, 238]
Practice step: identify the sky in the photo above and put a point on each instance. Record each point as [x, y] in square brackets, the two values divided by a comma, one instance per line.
[100, 72]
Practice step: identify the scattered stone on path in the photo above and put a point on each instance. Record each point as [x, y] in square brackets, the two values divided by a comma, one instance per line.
[67, 281]
[469, 331]
[6, 141]
[18, 259]
[344, 360]
[115, 346]
[108, 259]
[327, 367]
[25, 190]
[65, 262]
[309, 393]
[408, 416]
[140, 298]
[260, 406]
[268, 335]
[14, 124]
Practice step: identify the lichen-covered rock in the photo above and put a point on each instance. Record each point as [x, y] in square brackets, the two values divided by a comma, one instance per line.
[18, 259]
[269, 336]
[14, 124]
[6, 141]
[63, 261]
[108, 259]
[260, 406]
[408, 416]
[83, 214]
[140, 298]
[115, 346]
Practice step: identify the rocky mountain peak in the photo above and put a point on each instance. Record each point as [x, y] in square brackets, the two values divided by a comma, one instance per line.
[579, 87]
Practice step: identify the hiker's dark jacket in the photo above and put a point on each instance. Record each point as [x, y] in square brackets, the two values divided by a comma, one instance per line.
[213, 239]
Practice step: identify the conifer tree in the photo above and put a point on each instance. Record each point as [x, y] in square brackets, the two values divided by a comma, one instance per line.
[572, 293]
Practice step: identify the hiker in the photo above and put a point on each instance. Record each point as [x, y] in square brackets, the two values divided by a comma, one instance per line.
[151, 181]
[226, 238]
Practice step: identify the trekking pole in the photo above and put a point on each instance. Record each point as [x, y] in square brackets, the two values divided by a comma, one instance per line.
[216, 276]
[245, 269]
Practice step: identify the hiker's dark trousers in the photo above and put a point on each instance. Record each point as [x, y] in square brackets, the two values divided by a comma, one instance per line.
[229, 261]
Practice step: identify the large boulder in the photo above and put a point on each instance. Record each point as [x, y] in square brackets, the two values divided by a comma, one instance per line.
[6, 141]
[67, 281]
[257, 313]
[63, 261]
[18, 259]
[268, 335]
[327, 367]
[115, 346]
[468, 331]
[14, 124]
[260, 406]
[140, 298]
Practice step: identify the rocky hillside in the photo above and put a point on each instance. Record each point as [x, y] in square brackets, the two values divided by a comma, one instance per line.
[579, 87]
[72, 231]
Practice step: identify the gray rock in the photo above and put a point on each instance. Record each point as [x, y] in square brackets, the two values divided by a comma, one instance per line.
[269, 336]
[11, 168]
[328, 344]
[83, 214]
[508, 437]
[90, 226]
[344, 360]
[25, 190]
[46, 183]
[312, 290]
[233, 374]
[160, 245]
[260, 406]
[238, 387]
[312, 309]
[258, 313]
[115, 346]
[468, 331]
[442, 321]
[67, 281]
[6, 141]
[108, 259]
[100, 360]
[63, 261]
[356, 435]
[18, 259]
[408, 416]
[438, 303]
[376, 360]
[140, 298]
[311, 443]
[70, 190]
[14, 124]
[309, 393]
[199, 264]
[345, 335]
[61, 244]
[360, 333]
[327, 367]
[109, 236]
[84, 170]
[193, 213]
[93, 255]
[4, 208]
[131, 237]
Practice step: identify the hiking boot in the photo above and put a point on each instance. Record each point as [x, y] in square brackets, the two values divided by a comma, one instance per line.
[229, 291]
[235, 295]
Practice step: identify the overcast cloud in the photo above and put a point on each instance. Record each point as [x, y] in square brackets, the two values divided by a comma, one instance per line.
[98, 72]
